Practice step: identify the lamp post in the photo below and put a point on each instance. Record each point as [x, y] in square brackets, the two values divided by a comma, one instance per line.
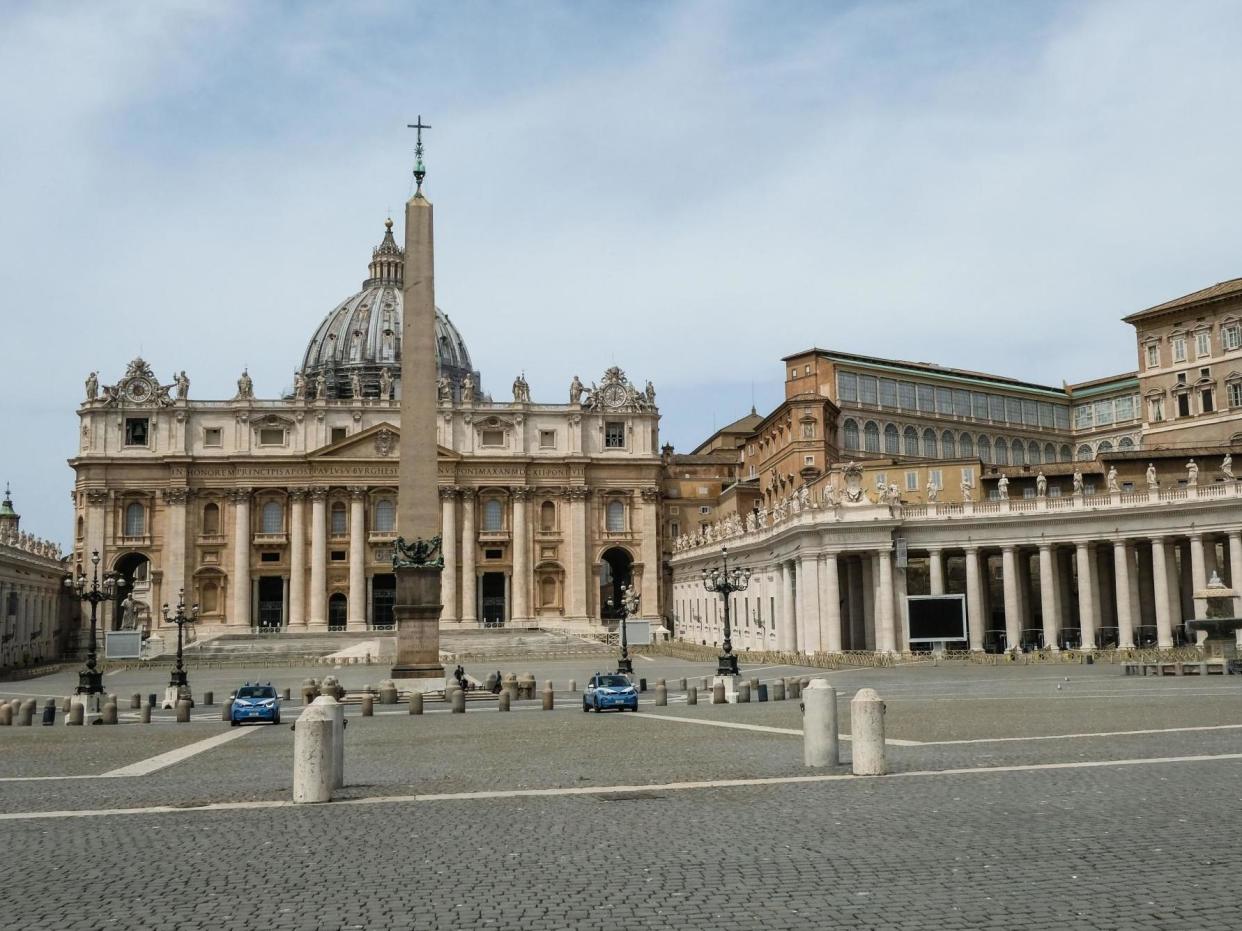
[725, 583]
[628, 606]
[178, 679]
[90, 679]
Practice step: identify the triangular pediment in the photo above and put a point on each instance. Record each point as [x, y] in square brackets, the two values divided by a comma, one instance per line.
[377, 442]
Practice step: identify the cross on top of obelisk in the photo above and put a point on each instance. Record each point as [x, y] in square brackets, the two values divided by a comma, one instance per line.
[420, 171]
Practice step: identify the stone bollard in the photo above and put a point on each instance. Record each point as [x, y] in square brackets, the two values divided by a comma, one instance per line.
[743, 693]
[692, 696]
[336, 711]
[151, 699]
[867, 733]
[573, 686]
[761, 693]
[416, 703]
[457, 701]
[145, 714]
[183, 711]
[778, 690]
[511, 689]
[754, 686]
[502, 701]
[226, 711]
[642, 685]
[286, 693]
[209, 698]
[661, 691]
[819, 725]
[793, 688]
[718, 694]
[681, 684]
[49, 712]
[549, 697]
[368, 706]
[135, 701]
[108, 716]
[315, 752]
[387, 692]
[704, 684]
[6, 715]
[661, 682]
[309, 694]
[65, 704]
[77, 711]
[526, 686]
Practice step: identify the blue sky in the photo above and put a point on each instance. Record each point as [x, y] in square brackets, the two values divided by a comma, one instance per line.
[689, 190]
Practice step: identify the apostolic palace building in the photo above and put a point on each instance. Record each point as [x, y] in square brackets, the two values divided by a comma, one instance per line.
[1074, 515]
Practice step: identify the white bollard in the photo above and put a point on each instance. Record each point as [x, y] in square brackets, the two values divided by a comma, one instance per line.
[337, 710]
[314, 754]
[819, 725]
[867, 733]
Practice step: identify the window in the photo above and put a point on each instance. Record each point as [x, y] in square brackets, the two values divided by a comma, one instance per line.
[793, 373]
[493, 438]
[135, 519]
[1153, 356]
[493, 515]
[614, 435]
[272, 517]
[1083, 417]
[338, 434]
[1235, 393]
[929, 443]
[850, 432]
[1155, 408]
[1183, 405]
[339, 524]
[881, 479]
[1028, 492]
[912, 481]
[1066, 453]
[847, 386]
[1084, 452]
[985, 449]
[136, 431]
[1050, 453]
[674, 529]
[547, 516]
[944, 401]
[927, 398]
[1002, 451]
[961, 402]
[547, 591]
[269, 557]
[948, 445]
[1103, 413]
[615, 517]
[338, 556]
[936, 478]
[979, 406]
[211, 436]
[1019, 453]
[1061, 417]
[705, 509]
[211, 518]
[1125, 443]
[1205, 400]
[1033, 455]
[1203, 344]
[1013, 410]
[547, 439]
[871, 437]
[966, 446]
[1054, 491]
[1179, 349]
[996, 408]
[888, 392]
[1231, 336]
[1030, 417]
[272, 436]
[910, 439]
[385, 515]
[1045, 414]
[968, 474]
[868, 389]
[1124, 408]
[209, 598]
[808, 460]
[892, 440]
[906, 395]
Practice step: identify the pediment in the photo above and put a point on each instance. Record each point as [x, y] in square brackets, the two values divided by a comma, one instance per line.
[377, 442]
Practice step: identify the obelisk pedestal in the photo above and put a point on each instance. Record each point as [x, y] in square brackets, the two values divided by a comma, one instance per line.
[417, 613]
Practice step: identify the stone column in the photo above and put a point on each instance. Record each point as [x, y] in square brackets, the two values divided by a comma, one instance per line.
[469, 547]
[935, 570]
[175, 545]
[1198, 573]
[830, 603]
[974, 600]
[356, 619]
[297, 557]
[448, 546]
[786, 639]
[1048, 595]
[1086, 594]
[319, 559]
[1235, 570]
[808, 605]
[1160, 581]
[900, 590]
[579, 560]
[1009, 575]
[871, 624]
[649, 596]
[241, 558]
[854, 591]
[885, 635]
[521, 555]
[1121, 573]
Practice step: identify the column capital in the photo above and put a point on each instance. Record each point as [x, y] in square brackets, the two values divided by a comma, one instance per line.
[357, 492]
[1045, 546]
[176, 495]
[521, 492]
[650, 492]
[468, 493]
[577, 492]
[971, 549]
[449, 492]
[319, 493]
[240, 495]
[297, 494]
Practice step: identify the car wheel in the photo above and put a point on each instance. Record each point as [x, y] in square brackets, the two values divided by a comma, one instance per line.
[234, 722]
[276, 719]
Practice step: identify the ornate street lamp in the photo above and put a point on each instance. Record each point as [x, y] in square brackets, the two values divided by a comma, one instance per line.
[178, 679]
[90, 679]
[725, 583]
[628, 606]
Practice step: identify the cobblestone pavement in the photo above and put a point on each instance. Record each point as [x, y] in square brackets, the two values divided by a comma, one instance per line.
[1151, 842]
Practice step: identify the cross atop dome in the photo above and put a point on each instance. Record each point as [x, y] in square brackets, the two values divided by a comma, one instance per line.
[420, 170]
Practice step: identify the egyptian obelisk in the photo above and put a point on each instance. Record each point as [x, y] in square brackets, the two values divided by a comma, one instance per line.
[417, 562]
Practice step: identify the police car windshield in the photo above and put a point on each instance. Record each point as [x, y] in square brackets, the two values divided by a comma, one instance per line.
[614, 682]
[256, 691]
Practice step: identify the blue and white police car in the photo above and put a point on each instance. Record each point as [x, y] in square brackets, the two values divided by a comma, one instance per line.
[255, 703]
[609, 690]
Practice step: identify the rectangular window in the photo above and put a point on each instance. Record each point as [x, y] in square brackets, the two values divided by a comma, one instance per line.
[961, 402]
[1045, 414]
[1088, 488]
[339, 434]
[1054, 491]
[906, 391]
[979, 403]
[338, 555]
[1028, 492]
[1203, 344]
[927, 398]
[1013, 410]
[269, 557]
[944, 401]
[847, 386]
[1179, 349]
[1103, 412]
[674, 529]
[1235, 393]
[1153, 356]
[339, 522]
[936, 477]
[136, 431]
[868, 389]
[968, 473]
[881, 478]
[1183, 405]
[211, 437]
[271, 436]
[493, 438]
[1205, 400]
[493, 554]
[547, 439]
[996, 408]
[614, 435]
[1029, 415]
[808, 460]
[1231, 336]
[1061, 417]
[1157, 410]
[705, 509]
[912, 481]
[1124, 408]
[888, 392]
[1083, 418]
[1127, 486]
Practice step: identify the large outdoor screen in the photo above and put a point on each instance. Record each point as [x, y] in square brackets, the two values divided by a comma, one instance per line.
[934, 618]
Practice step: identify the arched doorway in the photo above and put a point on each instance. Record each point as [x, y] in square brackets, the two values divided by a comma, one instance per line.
[135, 569]
[338, 606]
[614, 571]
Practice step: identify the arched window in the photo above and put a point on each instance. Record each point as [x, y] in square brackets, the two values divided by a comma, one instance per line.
[911, 438]
[1125, 443]
[892, 440]
[211, 518]
[948, 445]
[1066, 454]
[1105, 447]
[966, 446]
[1084, 452]
[1002, 451]
[81, 528]
[547, 592]
[340, 520]
[871, 437]
[929, 443]
[615, 516]
[850, 431]
[1019, 453]
[135, 519]
[272, 518]
[210, 598]
[1050, 453]
[493, 515]
[385, 515]
[547, 516]
[985, 449]
[1033, 455]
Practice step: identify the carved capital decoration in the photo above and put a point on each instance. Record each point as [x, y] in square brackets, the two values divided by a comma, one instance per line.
[650, 493]
[319, 493]
[577, 492]
[420, 554]
[176, 495]
[449, 491]
[297, 494]
[521, 492]
[240, 495]
[357, 492]
[97, 496]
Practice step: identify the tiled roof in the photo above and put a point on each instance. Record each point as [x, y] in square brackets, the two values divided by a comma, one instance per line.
[1215, 292]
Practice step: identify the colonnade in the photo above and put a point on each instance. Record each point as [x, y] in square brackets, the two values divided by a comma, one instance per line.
[30, 616]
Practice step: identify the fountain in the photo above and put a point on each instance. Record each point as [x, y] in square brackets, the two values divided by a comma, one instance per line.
[1220, 626]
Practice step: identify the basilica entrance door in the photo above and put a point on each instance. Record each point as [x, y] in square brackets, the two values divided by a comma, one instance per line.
[271, 602]
[492, 602]
[383, 596]
[338, 611]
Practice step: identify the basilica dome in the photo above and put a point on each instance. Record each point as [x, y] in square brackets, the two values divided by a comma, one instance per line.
[362, 335]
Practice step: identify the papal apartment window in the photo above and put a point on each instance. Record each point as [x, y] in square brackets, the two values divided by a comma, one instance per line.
[136, 431]
[1235, 393]
[493, 438]
[1231, 336]
[211, 437]
[1153, 356]
[1156, 409]
[1203, 344]
[912, 481]
[1183, 405]
[547, 439]
[614, 435]
[272, 436]
[339, 433]
[1179, 349]
[1206, 401]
